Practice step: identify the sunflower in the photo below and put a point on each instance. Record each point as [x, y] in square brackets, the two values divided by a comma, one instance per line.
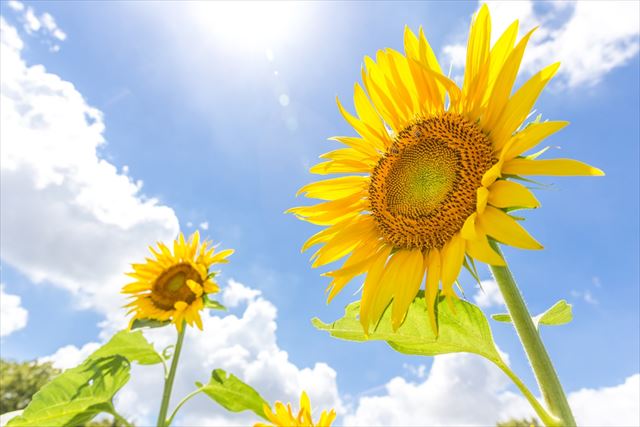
[172, 286]
[433, 173]
[283, 415]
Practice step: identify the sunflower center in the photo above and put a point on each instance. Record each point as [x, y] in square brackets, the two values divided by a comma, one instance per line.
[424, 188]
[171, 286]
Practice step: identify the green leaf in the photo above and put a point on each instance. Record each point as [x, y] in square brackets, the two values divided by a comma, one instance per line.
[79, 394]
[559, 314]
[76, 396]
[233, 394]
[131, 345]
[149, 323]
[214, 305]
[462, 328]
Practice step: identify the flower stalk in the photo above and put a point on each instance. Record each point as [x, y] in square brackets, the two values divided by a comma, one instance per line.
[539, 359]
[168, 381]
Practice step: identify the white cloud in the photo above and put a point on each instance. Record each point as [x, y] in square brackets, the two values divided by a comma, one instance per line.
[16, 5]
[488, 295]
[244, 345]
[460, 389]
[608, 406]
[236, 293]
[43, 25]
[14, 317]
[586, 296]
[463, 389]
[70, 356]
[68, 217]
[589, 38]
[204, 225]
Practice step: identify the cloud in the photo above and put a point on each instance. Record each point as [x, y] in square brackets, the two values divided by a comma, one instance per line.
[608, 406]
[244, 344]
[14, 316]
[464, 389]
[204, 225]
[586, 296]
[68, 217]
[589, 38]
[488, 295]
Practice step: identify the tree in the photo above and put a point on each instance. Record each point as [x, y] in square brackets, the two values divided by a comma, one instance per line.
[21, 380]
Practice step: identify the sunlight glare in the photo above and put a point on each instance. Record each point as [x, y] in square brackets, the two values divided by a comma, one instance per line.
[248, 24]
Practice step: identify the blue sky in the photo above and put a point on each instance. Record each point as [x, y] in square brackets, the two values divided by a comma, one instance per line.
[221, 118]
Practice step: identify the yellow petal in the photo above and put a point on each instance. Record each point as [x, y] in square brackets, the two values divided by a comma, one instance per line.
[345, 241]
[531, 136]
[407, 285]
[557, 167]
[434, 267]
[481, 200]
[492, 174]
[452, 258]
[506, 194]
[195, 287]
[468, 230]
[361, 145]
[504, 83]
[520, 104]
[370, 118]
[479, 249]
[477, 57]
[335, 188]
[371, 285]
[210, 287]
[505, 229]
[340, 166]
[499, 53]
[362, 128]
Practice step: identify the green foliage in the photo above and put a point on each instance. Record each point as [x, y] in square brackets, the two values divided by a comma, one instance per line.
[462, 327]
[19, 381]
[559, 314]
[148, 323]
[532, 422]
[79, 394]
[213, 305]
[233, 394]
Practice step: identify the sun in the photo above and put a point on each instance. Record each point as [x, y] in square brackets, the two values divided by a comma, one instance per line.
[248, 25]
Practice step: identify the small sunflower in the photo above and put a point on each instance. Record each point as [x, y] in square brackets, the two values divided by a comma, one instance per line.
[283, 415]
[434, 172]
[172, 286]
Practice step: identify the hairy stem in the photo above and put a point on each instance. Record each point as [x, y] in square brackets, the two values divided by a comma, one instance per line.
[168, 382]
[543, 369]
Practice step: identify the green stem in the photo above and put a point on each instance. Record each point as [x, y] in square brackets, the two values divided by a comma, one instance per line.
[543, 369]
[118, 417]
[168, 382]
[545, 417]
[182, 402]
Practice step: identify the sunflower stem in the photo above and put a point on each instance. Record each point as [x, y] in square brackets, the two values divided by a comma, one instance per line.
[168, 382]
[539, 359]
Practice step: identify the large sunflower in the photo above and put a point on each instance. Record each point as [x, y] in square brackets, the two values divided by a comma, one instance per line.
[434, 172]
[282, 416]
[173, 285]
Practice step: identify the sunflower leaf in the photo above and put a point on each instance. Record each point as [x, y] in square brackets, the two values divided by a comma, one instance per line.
[558, 314]
[148, 323]
[462, 327]
[233, 394]
[79, 394]
[212, 304]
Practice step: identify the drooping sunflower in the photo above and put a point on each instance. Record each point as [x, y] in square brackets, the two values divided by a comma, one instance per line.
[282, 416]
[172, 286]
[433, 173]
